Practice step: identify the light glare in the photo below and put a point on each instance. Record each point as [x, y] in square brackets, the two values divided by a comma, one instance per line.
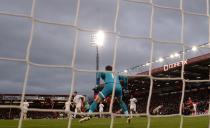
[147, 64]
[194, 48]
[160, 59]
[171, 56]
[176, 54]
[99, 41]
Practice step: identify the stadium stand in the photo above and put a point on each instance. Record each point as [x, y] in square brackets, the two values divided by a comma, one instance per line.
[166, 93]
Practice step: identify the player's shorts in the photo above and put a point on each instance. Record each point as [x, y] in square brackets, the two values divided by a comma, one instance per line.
[107, 90]
[67, 110]
[194, 110]
[101, 110]
[133, 107]
[78, 106]
[25, 109]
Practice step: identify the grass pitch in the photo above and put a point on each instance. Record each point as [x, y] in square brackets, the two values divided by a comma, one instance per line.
[140, 122]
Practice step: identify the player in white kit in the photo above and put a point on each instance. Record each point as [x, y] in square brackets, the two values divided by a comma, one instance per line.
[101, 109]
[132, 105]
[25, 109]
[194, 108]
[78, 101]
[67, 107]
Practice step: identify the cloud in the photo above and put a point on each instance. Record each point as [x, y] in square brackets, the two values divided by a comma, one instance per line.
[134, 19]
[97, 14]
[53, 44]
[14, 36]
[62, 11]
[11, 76]
[17, 6]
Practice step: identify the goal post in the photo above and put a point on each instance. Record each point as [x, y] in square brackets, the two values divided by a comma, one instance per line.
[152, 82]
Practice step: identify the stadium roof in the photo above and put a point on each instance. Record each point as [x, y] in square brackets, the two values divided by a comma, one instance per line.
[197, 68]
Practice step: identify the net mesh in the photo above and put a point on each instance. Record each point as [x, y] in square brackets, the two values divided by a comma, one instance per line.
[117, 36]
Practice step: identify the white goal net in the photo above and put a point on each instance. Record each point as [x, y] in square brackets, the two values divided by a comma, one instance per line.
[161, 47]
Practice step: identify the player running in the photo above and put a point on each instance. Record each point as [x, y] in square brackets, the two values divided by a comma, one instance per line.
[189, 105]
[101, 109]
[108, 79]
[25, 109]
[133, 101]
[67, 107]
[194, 108]
[78, 101]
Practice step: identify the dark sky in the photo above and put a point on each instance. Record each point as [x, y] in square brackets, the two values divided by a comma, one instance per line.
[53, 44]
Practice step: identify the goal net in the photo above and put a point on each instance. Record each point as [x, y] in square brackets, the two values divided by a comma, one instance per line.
[49, 52]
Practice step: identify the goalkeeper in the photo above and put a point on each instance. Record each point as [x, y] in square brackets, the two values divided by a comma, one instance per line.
[108, 79]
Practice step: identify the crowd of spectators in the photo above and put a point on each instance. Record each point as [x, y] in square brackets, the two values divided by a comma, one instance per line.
[169, 101]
